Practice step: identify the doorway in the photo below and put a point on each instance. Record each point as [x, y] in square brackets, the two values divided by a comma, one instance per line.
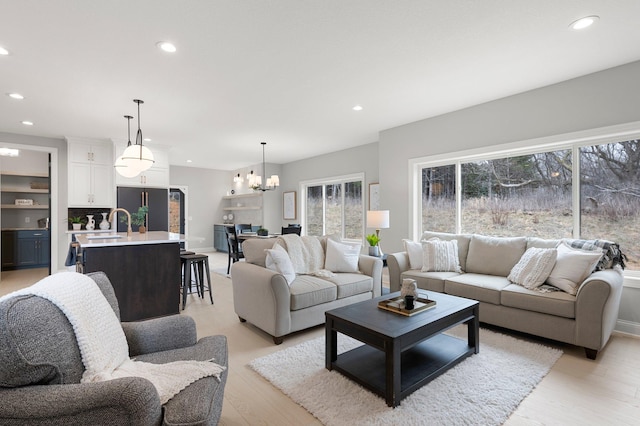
[177, 211]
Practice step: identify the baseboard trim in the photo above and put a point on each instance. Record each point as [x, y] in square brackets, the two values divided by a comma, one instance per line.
[628, 327]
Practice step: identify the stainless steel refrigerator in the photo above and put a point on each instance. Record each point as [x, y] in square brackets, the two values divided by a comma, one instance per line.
[157, 199]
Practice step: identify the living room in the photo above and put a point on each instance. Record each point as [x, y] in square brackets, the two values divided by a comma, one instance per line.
[596, 104]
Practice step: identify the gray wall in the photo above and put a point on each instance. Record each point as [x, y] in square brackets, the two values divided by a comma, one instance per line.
[606, 98]
[206, 188]
[361, 159]
[58, 230]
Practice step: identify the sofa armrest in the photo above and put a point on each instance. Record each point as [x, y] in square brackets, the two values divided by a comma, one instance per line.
[160, 334]
[397, 263]
[372, 266]
[597, 306]
[129, 400]
[262, 297]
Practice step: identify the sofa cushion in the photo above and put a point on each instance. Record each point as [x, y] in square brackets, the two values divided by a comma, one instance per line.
[572, 267]
[193, 405]
[278, 260]
[463, 243]
[483, 288]
[433, 281]
[534, 267]
[341, 257]
[254, 250]
[351, 284]
[37, 344]
[494, 255]
[414, 251]
[307, 290]
[556, 303]
[440, 256]
[542, 243]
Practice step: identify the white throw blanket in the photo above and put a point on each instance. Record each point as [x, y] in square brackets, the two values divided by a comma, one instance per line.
[103, 345]
[305, 253]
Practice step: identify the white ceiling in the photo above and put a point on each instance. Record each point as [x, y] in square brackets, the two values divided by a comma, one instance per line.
[287, 72]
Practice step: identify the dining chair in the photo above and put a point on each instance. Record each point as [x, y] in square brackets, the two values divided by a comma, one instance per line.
[242, 227]
[291, 230]
[234, 246]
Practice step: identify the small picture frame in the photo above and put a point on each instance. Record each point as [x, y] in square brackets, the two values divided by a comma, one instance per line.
[289, 205]
[374, 196]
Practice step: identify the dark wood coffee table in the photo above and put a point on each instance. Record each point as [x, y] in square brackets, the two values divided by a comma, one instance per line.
[401, 353]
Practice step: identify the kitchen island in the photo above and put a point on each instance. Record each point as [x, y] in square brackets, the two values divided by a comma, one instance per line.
[144, 270]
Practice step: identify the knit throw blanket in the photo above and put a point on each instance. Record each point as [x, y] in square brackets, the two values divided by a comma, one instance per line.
[102, 343]
[305, 253]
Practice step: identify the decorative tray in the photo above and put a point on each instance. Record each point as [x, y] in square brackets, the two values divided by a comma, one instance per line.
[396, 304]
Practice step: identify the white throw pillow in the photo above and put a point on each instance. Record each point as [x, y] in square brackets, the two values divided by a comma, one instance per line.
[414, 250]
[440, 256]
[278, 260]
[534, 267]
[572, 267]
[341, 257]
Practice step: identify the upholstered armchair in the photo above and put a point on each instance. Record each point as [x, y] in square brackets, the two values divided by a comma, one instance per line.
[41, 368]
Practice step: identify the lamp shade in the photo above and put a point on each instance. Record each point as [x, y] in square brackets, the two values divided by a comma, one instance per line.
[138, 157]
[378, 219]
[123, 170]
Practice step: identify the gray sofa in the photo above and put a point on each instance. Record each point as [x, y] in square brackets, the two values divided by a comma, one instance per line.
[585, 319]
[264, 298]
[41, 368]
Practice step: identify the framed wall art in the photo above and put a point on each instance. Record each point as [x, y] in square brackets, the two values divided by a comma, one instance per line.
[289, 205]
[374, 196]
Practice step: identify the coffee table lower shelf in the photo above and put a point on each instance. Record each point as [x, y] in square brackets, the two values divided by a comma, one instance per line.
[419, 364]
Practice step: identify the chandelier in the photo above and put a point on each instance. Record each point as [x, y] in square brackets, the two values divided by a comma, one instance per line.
[255, 181]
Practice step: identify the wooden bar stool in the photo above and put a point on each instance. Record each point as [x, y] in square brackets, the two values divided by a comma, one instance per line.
[200, 265]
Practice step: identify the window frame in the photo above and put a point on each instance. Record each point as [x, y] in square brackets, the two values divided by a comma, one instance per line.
[573, 141]
[342, 179]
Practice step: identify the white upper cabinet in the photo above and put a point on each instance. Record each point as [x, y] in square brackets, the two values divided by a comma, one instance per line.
[90, 177]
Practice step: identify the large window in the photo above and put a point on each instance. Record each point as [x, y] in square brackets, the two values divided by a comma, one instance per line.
[543, 194]
[334, 206]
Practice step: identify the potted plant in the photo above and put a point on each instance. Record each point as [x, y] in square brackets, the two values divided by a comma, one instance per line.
[138, 218]
[262, 232]
[373, 240]
[76, 222]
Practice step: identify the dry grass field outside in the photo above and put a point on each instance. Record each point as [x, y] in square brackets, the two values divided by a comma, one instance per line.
[487, 219]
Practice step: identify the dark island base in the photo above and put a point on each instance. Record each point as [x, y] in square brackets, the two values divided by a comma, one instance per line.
[145, 277]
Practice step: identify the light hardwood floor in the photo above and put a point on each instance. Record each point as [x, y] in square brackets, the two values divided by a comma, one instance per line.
[576, 391]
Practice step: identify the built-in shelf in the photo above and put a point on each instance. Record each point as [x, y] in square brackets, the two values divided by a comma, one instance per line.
[242, 208]
[232, 197]
[30, 174]
[26, 190]
[34, 207]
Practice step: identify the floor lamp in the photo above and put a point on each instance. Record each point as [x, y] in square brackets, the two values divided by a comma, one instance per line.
[378, 219]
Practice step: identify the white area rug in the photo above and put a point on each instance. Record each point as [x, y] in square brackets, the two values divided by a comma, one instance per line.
[482, 390]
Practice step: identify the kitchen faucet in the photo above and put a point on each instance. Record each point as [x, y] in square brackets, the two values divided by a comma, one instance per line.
[120, 209]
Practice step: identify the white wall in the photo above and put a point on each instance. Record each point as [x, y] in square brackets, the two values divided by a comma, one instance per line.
[607, 98]
[206, 188]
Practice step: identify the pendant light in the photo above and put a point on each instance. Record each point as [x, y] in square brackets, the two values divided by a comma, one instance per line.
[138, 157]
[271, 183]
[120, 166]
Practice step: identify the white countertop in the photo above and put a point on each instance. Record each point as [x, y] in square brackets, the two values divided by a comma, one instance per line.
[136, 238]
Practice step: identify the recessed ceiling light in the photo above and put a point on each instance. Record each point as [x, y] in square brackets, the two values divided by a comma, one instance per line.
[3, 51]
[583, 23]
[15, 95]
[166, 46]
[357, 108]
[146, 140]
[189, 161]
[27, 123]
